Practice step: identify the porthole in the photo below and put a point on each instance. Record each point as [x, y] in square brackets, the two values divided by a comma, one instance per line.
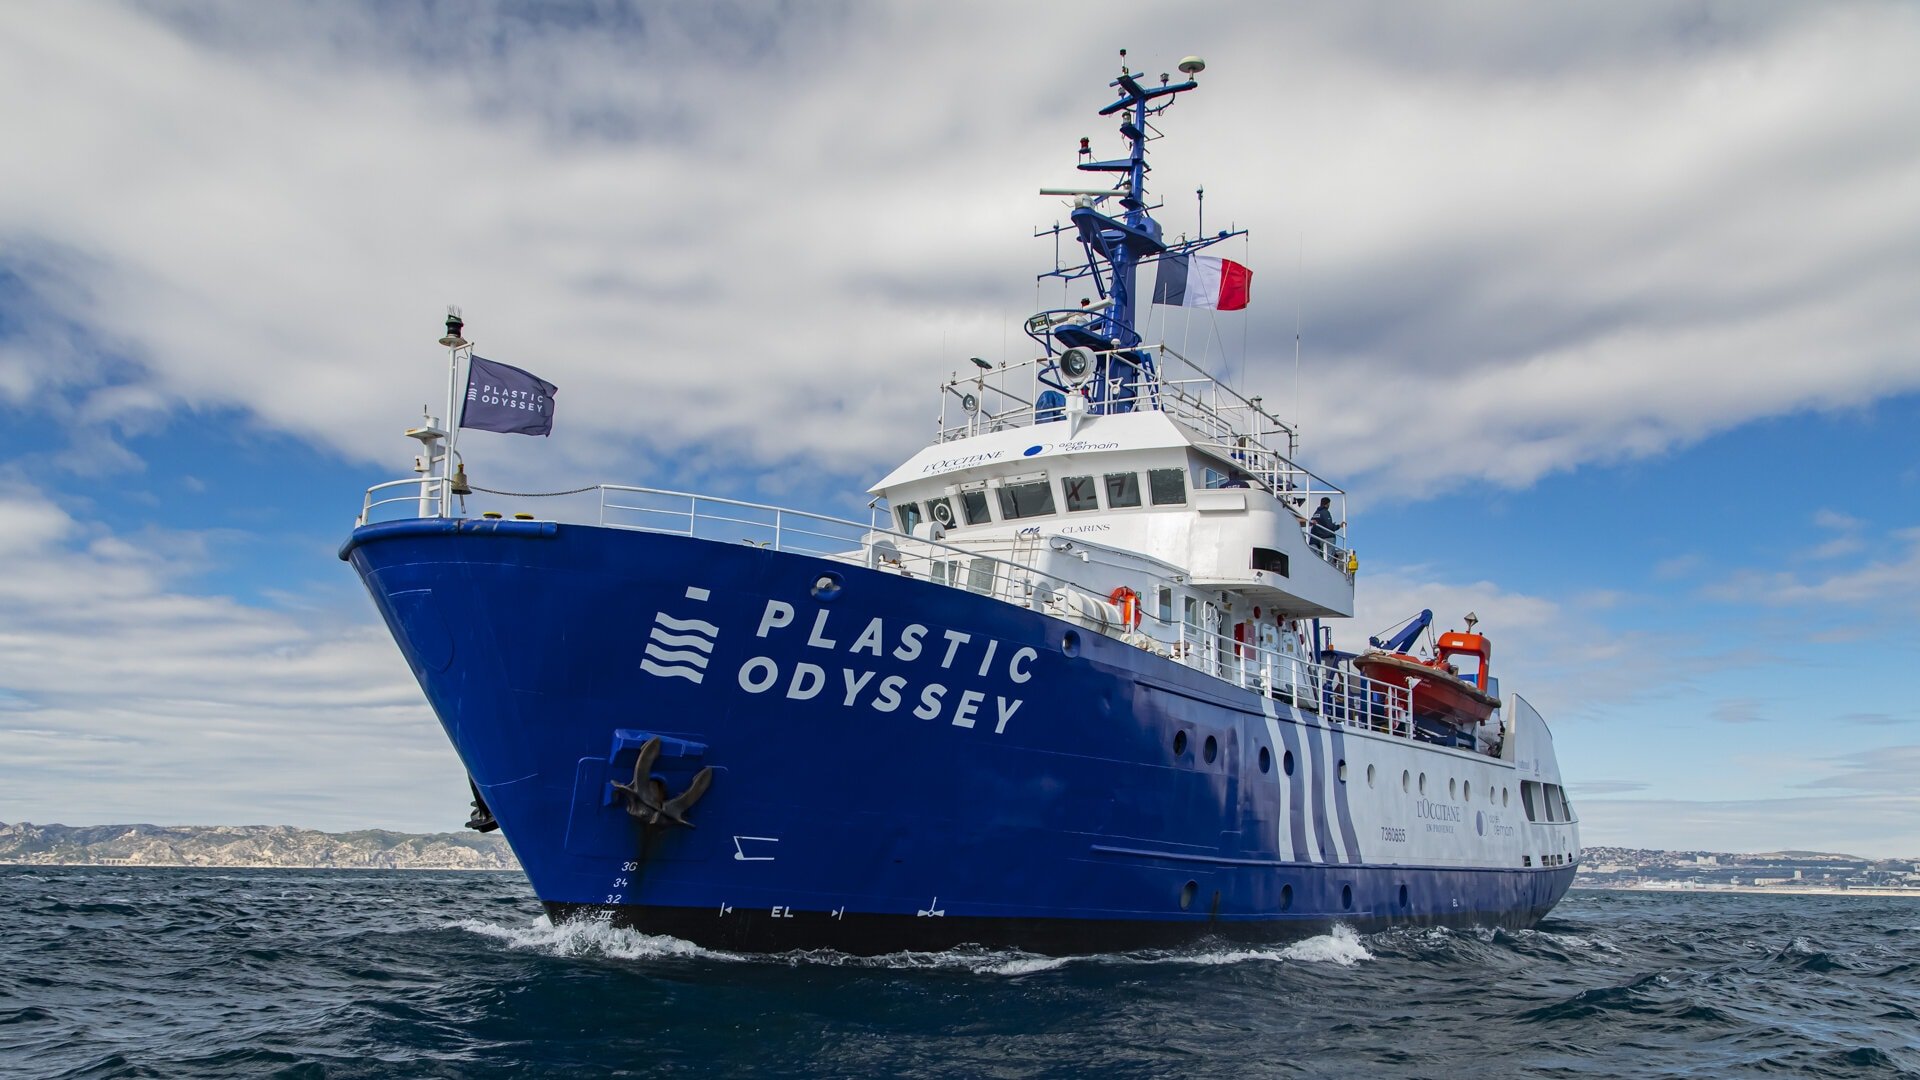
[1286, 763]
[1187, 893]
[1286, 897]
[1266, 760]
[1453, 788]
[1403, 896]
[1346, 897]
[1212, 749]
[1466, 791]
[826, 588]
[1423, 783]
[1343, 770]
[1369, 776]
[1505, 794]
[1406, 780]
[1179, 744]
[1070, 643]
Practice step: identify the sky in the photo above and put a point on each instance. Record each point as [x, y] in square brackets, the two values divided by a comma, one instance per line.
[1607, 315]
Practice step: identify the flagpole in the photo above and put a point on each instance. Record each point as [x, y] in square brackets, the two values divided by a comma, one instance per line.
[454, 343]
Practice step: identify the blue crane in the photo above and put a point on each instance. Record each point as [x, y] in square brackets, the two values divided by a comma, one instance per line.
[1401, 641]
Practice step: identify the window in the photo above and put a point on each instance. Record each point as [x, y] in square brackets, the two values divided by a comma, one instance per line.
[1211, 477]
[908, 515]
[1080, 493]
[1032, 498]
[1557, 809]
[1193, 612]
[1166, 604]
[1169, 486]
[941, 512]
[1273, 562]
[974, 505]
[1123, 489]
[980, 576]
[1526, 799]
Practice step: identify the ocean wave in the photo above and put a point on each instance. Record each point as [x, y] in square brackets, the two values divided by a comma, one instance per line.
[584, 937]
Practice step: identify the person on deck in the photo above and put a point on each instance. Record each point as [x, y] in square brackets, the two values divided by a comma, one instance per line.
[1323, 529]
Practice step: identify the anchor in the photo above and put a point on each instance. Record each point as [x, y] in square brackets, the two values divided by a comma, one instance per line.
[482, 819]
[646, 798]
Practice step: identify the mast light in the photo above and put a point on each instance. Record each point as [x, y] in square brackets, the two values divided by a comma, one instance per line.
[455, 324]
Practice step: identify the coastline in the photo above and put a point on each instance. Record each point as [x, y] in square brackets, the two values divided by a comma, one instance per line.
[116, 865]
[1753, 890]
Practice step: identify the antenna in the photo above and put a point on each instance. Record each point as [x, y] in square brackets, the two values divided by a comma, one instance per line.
[1299, 291]
[1189, 65]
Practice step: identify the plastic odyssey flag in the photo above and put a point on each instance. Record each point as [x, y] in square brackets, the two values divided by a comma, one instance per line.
[1202, 281]
[501, 397]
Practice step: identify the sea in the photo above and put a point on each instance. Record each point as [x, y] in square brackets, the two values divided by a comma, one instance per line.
[118, 972]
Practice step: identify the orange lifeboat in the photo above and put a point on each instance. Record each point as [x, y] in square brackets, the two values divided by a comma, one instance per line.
[1435, 686]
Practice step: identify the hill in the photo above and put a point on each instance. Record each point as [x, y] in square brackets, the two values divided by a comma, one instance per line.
[250, 846]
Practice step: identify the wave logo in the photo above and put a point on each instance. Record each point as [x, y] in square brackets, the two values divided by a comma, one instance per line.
[680, 648]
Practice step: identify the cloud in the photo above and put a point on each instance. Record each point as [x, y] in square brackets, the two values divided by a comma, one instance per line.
[1739, 711]
[1862, 802]
[1880, 719]
[129, 698]
[1584, 788]
[1888, 583]
[1880, 825]
[1581, 238]
[1887, 769]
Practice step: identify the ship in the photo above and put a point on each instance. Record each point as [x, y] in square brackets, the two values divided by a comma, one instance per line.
[1071, 687]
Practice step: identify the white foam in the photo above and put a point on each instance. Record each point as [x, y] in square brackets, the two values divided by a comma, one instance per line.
[1342, 946]
[586, 937]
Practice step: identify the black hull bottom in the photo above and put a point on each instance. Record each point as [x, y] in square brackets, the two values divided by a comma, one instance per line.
[760, 931]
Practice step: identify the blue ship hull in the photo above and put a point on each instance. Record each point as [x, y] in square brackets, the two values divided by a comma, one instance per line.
[897, 764]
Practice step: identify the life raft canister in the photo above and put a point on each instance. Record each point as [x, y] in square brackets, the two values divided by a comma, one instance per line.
[1128, 602]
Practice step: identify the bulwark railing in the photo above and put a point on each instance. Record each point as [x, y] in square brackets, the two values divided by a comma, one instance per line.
[1001, 568]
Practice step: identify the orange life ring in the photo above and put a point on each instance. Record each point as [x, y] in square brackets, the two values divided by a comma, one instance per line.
[1128, 602]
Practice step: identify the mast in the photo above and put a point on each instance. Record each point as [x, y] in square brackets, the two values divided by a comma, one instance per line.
[1116, 248]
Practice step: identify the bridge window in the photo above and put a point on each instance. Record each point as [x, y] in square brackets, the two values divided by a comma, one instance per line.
[941, 511]
[908, 515]
[974, 505]
[1123, 490]
[1080, 493]
[1169, 486]
[1034, 498]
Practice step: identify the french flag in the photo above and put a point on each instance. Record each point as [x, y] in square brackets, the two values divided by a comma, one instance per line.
[1202, 281]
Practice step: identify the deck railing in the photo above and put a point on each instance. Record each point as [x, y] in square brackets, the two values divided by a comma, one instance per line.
[1003, 569]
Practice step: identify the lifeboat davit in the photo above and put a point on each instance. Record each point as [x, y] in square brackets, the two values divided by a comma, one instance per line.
[1436, 690]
